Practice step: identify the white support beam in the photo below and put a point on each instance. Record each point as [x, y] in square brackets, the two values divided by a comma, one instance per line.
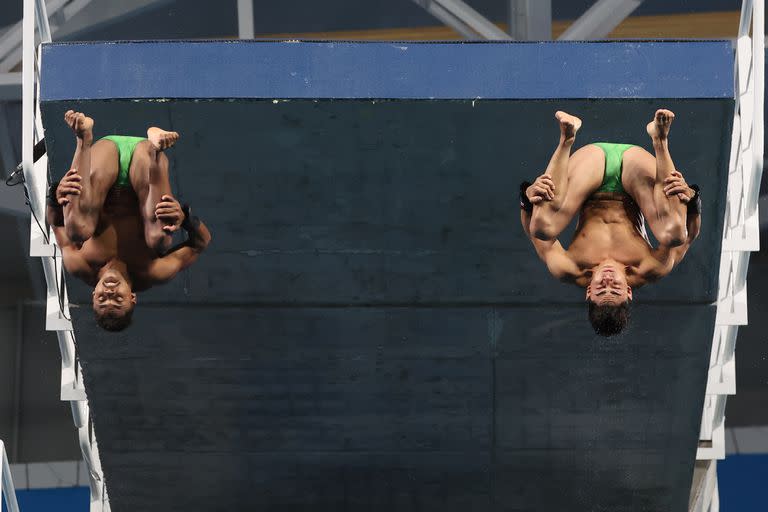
[58, 10]
[530, 20]
[463, 19]
[67, 17]
[245, 29]
[98, 13]
[758, 60]
[600, 20]
[10, 49]
[702, 496]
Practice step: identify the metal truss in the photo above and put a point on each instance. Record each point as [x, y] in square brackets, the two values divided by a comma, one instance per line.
[741, 234]
[59, 12]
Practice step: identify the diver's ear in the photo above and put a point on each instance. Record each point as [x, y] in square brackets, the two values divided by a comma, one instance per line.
[589, 288]
[133, 298]
[629, 292]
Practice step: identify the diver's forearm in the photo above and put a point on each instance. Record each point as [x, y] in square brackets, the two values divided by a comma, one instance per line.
[54, 215]
[198, 236]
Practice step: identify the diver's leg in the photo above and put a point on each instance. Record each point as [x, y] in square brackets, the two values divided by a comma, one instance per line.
[575, 177]
[96, 165]
[150, 179]
[644, 176]
[558, 164]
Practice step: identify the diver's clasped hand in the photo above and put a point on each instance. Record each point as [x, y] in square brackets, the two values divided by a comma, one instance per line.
[68, 186]
[675, 185]
[543, 189]
[168, 211]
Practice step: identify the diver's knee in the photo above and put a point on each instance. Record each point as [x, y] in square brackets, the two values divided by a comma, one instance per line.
[158, 240]
[542, 229]
[79, 230]
[673, 235]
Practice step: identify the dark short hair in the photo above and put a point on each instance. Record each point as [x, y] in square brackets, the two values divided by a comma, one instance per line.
[113, 322]
[608, 320]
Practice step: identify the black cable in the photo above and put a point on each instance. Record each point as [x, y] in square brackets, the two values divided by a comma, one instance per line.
[12, 181]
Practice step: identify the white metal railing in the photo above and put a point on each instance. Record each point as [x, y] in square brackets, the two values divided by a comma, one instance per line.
[6, 482]
[741, 232]
[43, 245]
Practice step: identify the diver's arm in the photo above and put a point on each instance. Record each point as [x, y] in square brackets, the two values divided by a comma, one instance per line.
[184, 254]
[551, 252]
[669, 257]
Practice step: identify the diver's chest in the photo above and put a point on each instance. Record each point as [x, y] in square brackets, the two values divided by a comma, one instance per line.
[593, 244]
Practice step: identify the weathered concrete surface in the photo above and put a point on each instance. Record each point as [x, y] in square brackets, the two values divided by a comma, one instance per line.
[513, 408]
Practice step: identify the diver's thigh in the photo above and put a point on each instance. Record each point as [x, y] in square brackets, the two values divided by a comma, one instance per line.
[585, 175]
[638, 177]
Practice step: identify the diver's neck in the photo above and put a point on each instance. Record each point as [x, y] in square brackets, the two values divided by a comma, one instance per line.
[115, 265]
[610, 262]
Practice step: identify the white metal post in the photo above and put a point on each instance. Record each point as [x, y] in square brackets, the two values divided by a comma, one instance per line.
[245, 29]
[27, 80]
[758, 68]
[530, 20]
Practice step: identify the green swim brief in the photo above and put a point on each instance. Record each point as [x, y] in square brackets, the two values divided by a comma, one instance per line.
[613, 157]
[125, 148]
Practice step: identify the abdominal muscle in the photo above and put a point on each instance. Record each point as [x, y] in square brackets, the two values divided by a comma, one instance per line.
[610, 227]
[120, 234]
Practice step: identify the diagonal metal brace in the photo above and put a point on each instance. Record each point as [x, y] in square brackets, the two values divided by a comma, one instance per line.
[600, 19]
[463, 19]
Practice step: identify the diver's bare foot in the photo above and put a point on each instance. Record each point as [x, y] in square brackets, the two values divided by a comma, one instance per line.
[81, 124]
[658, 129]
[569, 125]
[161, 139]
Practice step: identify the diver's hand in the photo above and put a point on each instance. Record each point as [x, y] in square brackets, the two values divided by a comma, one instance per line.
[68, 186]
[675, 185]
[168, 211]
[543, 189]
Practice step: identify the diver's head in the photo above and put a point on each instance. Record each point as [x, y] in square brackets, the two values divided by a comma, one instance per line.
[608, 298]
[113, 300]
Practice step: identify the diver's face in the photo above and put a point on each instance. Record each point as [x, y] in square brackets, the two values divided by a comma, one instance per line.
[609, 285]
[113, 294]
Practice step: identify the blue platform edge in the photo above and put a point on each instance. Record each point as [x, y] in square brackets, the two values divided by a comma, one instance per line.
[386, 70]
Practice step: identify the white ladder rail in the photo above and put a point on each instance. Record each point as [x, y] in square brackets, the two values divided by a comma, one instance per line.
[43, 245]
[741, 231]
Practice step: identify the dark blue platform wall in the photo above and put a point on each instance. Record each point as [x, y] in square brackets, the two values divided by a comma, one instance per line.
[396, 408]
[370, 329]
